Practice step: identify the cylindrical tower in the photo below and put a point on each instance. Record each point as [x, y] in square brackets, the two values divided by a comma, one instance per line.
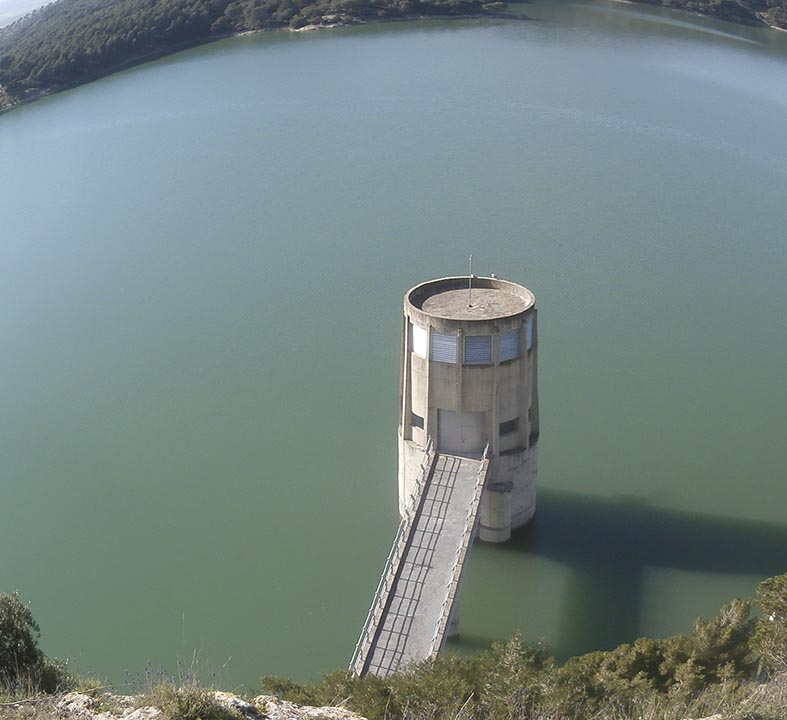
[468, 379]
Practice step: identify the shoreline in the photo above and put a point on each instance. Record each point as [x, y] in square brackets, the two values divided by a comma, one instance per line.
[755, 21]
[143, 58]
[331, 23]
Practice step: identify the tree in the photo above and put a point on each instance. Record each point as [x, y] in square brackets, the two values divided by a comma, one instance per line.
[19, 653]
[721, 646]
[770, 635]
[23, 667]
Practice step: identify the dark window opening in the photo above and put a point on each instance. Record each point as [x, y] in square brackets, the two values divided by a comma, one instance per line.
[416, 421]
[511, 426]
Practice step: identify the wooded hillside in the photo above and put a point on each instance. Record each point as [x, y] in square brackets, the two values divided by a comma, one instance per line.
[72, 41]
[750, 12]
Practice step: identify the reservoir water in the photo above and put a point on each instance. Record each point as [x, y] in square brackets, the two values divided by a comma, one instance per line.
[202, 263]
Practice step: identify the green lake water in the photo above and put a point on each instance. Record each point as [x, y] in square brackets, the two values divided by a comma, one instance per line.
[202, 264]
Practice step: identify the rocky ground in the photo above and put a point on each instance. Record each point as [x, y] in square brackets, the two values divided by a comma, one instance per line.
[107, 706]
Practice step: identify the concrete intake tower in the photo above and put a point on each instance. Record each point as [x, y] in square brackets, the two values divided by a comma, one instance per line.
[469, 380]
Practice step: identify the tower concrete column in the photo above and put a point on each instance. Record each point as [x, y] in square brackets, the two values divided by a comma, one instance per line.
[468, 380]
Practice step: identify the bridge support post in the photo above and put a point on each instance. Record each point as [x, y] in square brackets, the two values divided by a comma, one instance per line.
[453, 621]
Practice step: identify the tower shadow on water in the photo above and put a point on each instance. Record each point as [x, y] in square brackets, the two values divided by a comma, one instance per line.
[608, 544]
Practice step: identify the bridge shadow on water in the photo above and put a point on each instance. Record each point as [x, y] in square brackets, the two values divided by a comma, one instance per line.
[609, 543]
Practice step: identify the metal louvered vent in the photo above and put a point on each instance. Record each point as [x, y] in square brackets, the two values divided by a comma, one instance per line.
[478, 350]
[509, 345]
[443, 347]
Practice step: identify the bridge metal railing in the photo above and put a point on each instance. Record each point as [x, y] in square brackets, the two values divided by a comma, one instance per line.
[388, 576]
[468, 533]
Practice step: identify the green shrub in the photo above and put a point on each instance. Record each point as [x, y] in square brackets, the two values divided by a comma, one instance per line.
[189, 702]
[675, 677]
[717, 651]
[489, 685]
[53, 676]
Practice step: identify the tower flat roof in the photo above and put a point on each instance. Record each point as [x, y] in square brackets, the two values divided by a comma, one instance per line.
[490, 298]
[485, 304]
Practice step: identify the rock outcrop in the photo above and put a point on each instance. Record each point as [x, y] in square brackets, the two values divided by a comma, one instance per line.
[108, 706]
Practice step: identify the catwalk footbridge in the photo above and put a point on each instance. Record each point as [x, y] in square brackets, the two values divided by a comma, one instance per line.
[411, 613]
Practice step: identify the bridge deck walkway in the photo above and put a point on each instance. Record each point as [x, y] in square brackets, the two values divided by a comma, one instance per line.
[411, 611]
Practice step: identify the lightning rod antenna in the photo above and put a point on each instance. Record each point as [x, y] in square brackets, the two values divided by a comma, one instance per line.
[470, 283]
